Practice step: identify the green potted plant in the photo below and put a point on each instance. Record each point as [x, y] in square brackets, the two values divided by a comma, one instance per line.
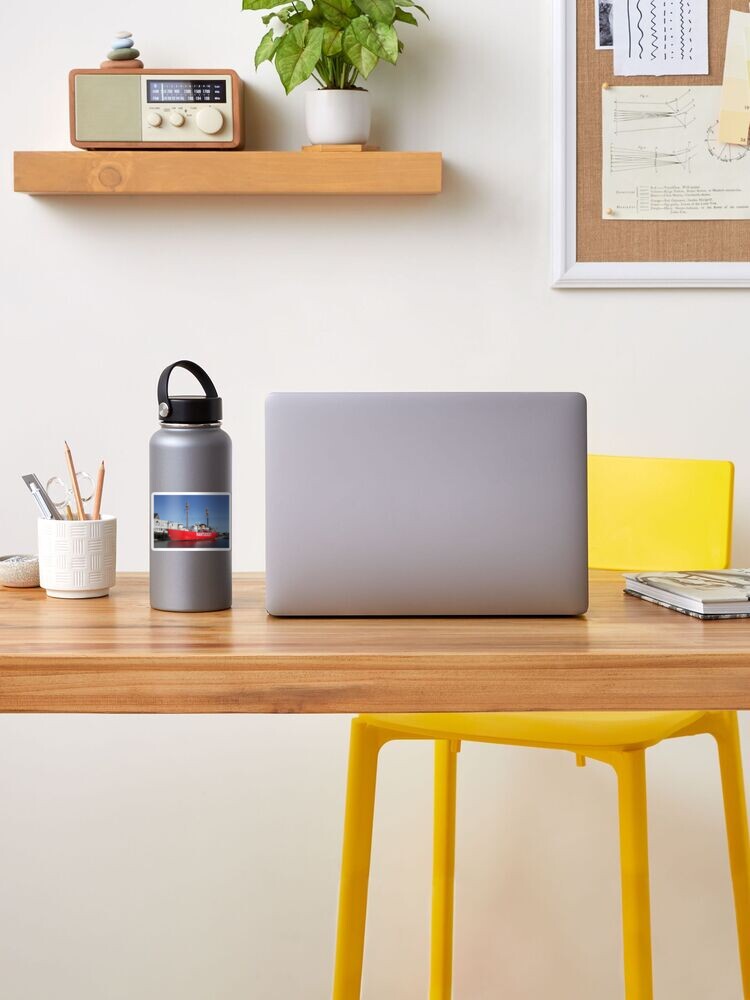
[336, 42]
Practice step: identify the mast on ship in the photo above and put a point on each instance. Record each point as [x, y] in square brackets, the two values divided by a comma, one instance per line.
[187, 514]
[207, 524]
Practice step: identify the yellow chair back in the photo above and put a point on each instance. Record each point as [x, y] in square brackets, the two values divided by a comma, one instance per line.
[659, 513]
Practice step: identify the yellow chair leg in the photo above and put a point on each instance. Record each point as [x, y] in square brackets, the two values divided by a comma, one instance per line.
[636, 908]
[364, 746]
[735, 809]
[443, 870]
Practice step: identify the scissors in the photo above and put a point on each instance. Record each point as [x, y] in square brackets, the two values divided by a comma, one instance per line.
[62, 495]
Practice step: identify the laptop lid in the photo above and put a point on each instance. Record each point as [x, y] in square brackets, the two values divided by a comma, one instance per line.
[426, 504]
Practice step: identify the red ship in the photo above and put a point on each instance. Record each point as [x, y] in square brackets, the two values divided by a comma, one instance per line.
[197, 533]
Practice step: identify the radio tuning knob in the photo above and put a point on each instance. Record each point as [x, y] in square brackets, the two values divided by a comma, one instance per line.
[210, 120]
[154, 119]
[176, 119]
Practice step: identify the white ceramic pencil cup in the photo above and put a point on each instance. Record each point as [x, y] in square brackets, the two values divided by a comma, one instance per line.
[77, 558]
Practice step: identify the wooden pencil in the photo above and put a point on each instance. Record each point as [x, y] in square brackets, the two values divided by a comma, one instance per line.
[96, 513]
[74, 483]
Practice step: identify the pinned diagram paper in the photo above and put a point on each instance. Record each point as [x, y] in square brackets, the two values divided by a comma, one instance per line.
[662, 157]
[734, 117]
[660, 37]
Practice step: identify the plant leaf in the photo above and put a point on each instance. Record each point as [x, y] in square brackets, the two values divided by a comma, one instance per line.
[389, 40]
[297, 55]
[361, 58]
[380, 39]
[267, 48]
[288, 15]
[261, 4]
[338, 12]
[406, 17]
[333, 40]
[383, 11]
[282, 14]
[410, 3]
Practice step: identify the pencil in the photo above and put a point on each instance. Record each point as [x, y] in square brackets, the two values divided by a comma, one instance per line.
[74, 483]
[96, 513]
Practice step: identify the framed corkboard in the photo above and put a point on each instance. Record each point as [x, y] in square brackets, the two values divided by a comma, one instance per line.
[591, 251]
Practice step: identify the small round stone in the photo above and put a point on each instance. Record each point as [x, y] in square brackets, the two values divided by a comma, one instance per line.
[124, 34]
[121, 64]
[123, 54]
[122, 43]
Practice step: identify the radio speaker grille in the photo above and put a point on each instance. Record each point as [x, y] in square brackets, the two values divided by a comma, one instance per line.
[108, 108]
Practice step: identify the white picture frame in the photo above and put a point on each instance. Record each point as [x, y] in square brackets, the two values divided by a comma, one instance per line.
[567, 270]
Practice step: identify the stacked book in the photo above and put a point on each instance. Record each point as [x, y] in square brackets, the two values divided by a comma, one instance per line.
[706, 595]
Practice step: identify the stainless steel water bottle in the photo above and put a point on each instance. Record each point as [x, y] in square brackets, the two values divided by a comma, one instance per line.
[191, 500]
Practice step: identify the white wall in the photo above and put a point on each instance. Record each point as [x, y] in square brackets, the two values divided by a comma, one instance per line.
[198, 857]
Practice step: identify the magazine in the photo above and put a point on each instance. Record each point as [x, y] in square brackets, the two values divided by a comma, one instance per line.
[706, 594]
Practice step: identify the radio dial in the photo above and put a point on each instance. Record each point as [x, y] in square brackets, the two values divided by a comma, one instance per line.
[154, 119]
[176, 119]
[210, 120]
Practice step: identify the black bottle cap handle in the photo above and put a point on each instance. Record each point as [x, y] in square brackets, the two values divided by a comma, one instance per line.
[188, 409]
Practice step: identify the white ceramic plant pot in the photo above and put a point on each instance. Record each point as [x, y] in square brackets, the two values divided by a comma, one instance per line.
[334, 117]
[77, 558]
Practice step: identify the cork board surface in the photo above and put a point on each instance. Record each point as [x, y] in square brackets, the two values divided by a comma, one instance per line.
[600, 239]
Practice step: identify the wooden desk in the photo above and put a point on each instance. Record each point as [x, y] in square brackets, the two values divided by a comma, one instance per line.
[117, 655]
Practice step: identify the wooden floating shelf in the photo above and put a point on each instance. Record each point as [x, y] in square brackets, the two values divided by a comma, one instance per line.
[122, 172]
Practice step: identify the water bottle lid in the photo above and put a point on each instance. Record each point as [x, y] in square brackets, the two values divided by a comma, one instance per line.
[188, 409]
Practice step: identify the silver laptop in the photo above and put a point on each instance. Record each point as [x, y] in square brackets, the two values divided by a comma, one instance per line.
[426, 503]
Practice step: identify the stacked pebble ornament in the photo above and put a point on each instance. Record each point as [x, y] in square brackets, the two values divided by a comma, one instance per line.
[122, 54]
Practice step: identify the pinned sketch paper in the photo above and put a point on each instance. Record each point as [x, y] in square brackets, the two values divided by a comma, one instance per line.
[603, 18]
[662, 157]
[734, 117]
[660, 37]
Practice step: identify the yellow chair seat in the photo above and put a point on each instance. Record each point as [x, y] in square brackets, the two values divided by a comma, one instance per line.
[620, 730]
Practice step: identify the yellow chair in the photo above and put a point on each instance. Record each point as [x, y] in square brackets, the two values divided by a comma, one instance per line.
[644, 513]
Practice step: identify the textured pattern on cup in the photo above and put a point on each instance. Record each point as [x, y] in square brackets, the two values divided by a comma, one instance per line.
[77, 558]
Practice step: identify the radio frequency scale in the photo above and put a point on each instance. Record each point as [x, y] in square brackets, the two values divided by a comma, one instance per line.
[156, 109]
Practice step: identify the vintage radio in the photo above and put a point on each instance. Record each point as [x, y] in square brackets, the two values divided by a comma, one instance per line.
[156, 109]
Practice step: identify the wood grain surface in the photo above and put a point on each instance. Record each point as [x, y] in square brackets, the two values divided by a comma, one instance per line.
[116, 654]
[122, 172]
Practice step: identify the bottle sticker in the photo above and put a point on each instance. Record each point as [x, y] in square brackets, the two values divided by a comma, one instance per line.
[193, 522]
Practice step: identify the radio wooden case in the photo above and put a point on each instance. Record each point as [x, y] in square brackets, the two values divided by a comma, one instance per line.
[156, 109]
